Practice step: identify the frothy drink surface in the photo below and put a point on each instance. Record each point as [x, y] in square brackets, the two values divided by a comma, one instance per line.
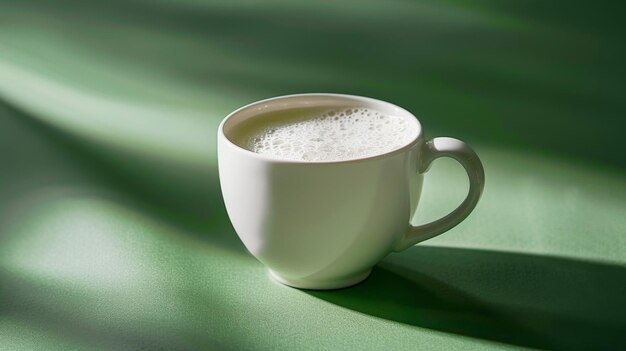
[324, 134]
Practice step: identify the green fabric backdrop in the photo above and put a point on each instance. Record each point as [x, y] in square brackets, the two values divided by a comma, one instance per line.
[113, 234]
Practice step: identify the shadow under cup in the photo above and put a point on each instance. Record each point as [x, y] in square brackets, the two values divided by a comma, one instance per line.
[319, 225]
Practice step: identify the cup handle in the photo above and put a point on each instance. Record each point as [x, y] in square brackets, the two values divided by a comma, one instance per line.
[458, 150]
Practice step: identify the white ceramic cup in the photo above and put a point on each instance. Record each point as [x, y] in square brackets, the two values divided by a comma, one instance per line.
[324, 225]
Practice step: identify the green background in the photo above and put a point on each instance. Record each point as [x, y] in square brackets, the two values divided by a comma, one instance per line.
[113, 233]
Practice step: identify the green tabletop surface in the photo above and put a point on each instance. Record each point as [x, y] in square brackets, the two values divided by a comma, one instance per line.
[114, 236]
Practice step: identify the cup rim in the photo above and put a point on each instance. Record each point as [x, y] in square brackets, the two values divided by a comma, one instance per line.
[268, 158]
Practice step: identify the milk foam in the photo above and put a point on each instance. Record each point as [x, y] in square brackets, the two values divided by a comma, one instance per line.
[332, 135]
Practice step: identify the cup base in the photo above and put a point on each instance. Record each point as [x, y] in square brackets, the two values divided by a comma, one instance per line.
[320, 284]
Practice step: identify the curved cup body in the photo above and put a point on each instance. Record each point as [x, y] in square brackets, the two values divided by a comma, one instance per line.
[319, 225]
